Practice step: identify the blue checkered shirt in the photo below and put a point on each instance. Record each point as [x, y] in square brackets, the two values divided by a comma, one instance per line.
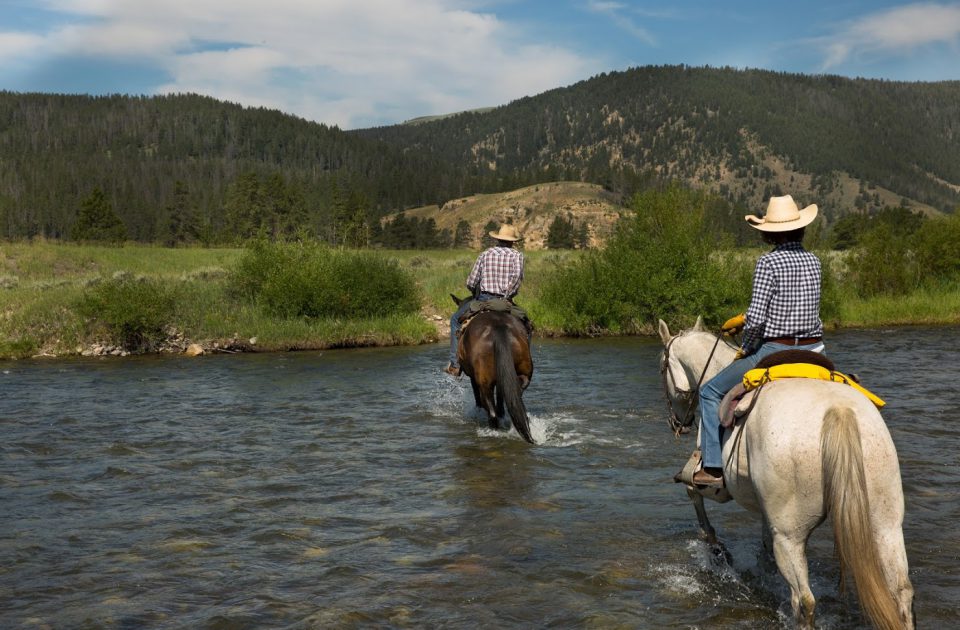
[786, 297]
[498, 270]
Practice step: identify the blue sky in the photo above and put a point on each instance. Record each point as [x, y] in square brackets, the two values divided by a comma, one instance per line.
[360, 63]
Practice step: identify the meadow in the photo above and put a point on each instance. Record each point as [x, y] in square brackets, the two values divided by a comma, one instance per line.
[46, 307]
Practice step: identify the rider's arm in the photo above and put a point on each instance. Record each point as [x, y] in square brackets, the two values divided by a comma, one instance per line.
[476, 274]
[764, 284]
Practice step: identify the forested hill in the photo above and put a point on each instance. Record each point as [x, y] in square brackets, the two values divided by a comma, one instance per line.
[186, 167]
[745, 134]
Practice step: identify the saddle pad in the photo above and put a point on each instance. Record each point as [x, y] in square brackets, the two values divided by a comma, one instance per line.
[759, 376]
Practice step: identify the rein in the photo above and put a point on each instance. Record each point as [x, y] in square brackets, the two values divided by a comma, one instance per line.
[691, 396]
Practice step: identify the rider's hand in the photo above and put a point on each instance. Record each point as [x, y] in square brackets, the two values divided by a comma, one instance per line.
[734, 325]
[739, 355]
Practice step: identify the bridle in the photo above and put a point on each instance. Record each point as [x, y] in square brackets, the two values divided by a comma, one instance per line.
[690, 396]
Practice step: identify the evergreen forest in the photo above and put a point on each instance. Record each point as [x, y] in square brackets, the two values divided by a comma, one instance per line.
[183, 169]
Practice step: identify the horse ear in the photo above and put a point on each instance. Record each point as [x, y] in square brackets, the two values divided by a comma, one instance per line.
[699, 324]
[665, 335]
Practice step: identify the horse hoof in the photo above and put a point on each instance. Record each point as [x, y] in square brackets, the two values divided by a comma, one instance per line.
[720, 553]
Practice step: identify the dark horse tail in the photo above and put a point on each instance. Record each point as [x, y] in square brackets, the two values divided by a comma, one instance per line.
[508, 382]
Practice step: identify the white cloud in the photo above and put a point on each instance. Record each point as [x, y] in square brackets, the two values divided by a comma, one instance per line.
[19, 46]
[617, 12]
[346, 62]
[894, 31]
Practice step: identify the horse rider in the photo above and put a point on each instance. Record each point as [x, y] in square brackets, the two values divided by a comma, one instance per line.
[784, 313]
[497, 274]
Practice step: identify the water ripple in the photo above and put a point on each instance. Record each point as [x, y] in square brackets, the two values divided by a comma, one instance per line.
[361, 488]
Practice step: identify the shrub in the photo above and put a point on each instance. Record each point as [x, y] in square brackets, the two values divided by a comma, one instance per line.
[937, 245]
[831, 294]
[133, 311]
[311, 280]
[19, 348]
[660, 263]
[883, 263]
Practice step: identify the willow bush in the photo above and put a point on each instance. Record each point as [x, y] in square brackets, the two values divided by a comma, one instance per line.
[307, 279]
[664, 261]
[892, 261]
[134, 311]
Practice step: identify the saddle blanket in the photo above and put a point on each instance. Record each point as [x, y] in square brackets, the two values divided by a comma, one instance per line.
[499, 305]
[759, 376]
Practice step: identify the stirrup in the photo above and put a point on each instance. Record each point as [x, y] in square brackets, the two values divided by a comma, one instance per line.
[686, 473]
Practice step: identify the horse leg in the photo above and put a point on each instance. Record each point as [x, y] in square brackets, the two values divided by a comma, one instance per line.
[476, 393]
[767, 560]
[791, 558]
[706, 529]
[488, 402]
[893, 559]
[499, 419]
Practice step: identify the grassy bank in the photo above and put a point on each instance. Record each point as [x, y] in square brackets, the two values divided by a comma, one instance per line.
[41, 285]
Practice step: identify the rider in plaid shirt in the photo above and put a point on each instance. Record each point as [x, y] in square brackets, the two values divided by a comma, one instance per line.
[497, 273]
[784, 314]
[786, 297]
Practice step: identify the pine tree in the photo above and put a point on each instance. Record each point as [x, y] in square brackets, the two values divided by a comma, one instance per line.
[462, 237]
[486, 240]
[97, 222]
[182, 225]
[560, 234]
[583, 236]
[244, 207]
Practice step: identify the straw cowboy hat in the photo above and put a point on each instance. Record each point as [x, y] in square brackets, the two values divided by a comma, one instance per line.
[506, 233]
[783, 215]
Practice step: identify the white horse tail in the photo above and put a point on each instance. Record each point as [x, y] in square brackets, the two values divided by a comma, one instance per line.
[845, 496]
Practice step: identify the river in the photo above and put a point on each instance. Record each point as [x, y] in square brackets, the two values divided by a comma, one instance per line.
[356, 488]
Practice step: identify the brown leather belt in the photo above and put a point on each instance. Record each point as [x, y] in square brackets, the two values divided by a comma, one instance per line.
[794, 341]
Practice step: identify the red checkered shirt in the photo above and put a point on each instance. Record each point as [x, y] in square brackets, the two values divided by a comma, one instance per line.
[498, 270]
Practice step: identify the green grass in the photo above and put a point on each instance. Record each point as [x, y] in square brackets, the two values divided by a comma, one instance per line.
[923, 306]
[42, 283]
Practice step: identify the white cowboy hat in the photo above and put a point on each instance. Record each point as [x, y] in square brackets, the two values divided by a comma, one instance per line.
[783, 215]
[506, 233]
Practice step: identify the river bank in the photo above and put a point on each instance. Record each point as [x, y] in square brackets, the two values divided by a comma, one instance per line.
[41, 284]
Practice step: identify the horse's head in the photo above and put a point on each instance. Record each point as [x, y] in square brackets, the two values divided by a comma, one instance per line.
[688, 360]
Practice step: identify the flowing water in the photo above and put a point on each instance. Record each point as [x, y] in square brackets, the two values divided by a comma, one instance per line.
[357, 488]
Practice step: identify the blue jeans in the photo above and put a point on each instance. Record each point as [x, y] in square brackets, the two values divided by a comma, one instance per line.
[455, 323]
[713, 391]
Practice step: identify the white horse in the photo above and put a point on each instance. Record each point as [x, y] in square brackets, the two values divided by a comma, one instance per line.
[807, 449]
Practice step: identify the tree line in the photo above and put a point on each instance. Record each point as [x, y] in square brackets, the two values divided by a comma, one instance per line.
[185, 168]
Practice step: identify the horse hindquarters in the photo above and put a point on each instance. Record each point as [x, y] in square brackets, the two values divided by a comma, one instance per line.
[869, 539]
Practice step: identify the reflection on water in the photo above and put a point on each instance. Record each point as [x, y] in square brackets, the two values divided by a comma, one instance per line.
[358, 488]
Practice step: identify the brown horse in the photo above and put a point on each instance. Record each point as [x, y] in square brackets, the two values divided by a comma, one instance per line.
[494, 352]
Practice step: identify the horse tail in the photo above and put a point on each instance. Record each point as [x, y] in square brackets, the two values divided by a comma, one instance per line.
[845, 495]
[509, 383]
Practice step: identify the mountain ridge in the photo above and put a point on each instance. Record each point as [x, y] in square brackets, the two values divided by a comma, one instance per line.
[849, 145]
